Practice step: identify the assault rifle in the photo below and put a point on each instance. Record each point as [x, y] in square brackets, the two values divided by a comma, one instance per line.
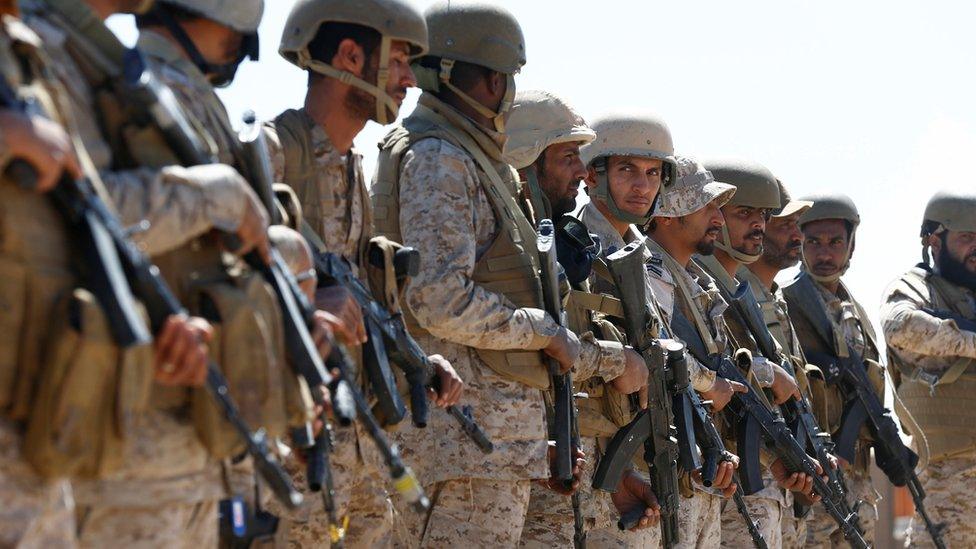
[797, 413]
[113, 268]
[890, 453]
[754, 421]
[565, 429]
[652, 427]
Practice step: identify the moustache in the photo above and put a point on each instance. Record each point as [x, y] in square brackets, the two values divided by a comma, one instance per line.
[794, 245]
[712, 232]
[824, 265]
[755, 233]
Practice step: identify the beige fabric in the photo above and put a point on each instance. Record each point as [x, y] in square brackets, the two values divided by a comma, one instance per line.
[176, 525]
[699, 521]
[949, 485]
[823, 532]
[767, 513]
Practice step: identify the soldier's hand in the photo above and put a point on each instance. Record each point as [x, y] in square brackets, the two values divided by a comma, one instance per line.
[182, 351]
[324, 328]
[565, 348]
[252, 233]
[41, 143]
[634, 376]
[795, 482]
[784, 386]
[451, 384]
[340, 302]
[558, 485]
[634, 492]
[722, 391]
[725, 475]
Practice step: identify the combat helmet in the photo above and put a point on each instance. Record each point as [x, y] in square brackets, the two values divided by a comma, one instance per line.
[480, 34]
[947, 211]
[755, 186]
[243, 16]
[832, 206]
[629, 135]
[392, 19]
[538, 120]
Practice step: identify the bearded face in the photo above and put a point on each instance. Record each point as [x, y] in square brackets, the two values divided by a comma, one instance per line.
[956, 258]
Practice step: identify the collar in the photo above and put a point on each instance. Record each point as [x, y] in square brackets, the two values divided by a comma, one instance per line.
[323, 150]
[171, 57]
[598, 223]
[490, 141]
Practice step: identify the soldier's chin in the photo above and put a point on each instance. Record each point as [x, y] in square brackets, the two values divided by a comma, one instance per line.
[705, 247]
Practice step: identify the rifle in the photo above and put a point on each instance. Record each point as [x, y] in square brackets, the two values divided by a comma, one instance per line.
[890, 453]
[755, 421]
[257, 170]
[653, 426]
[114, 269]
[797, 413]
[565, 428]
[390, 333]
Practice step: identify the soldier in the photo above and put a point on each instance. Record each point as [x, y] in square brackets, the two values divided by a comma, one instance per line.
[626, 168]
[39, 287]
[927, 318]
[544, 139]
[782, 246]
[168, 482]
[688, 221]
[442, 184]
[358, 65]
[830, 323]
[741, 243]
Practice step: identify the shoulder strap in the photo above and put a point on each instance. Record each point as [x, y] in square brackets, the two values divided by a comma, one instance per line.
[496, 190]
[809, 304]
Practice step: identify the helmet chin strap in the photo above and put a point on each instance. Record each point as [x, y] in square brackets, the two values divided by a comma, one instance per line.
[722, 243]
[602, 192]
[386, 107]
[497, 117]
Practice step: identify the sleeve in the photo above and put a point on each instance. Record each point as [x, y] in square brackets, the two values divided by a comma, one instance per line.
[702, 377]
[179, 203]
[906, 326]
[599, 358]
[438, 196]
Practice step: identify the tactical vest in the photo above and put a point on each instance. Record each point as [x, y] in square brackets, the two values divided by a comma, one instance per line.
[509, 267]
[944, 411]
[294, 129]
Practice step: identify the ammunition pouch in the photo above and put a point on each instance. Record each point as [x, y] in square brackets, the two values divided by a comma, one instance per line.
[818, 395]
[248, 344]
[89, 393]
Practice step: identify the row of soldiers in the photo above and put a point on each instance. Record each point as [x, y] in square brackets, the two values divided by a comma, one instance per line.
[117, 441]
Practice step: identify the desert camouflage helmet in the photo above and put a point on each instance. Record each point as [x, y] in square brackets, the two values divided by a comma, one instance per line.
[629, 135]
[480, 34]
[540, 119]
[832, 206]
[392, 19]
[755, 187]
[788, 206]
[955, 211]
[693, 188]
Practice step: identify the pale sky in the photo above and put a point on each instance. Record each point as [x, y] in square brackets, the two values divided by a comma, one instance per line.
[869, 98]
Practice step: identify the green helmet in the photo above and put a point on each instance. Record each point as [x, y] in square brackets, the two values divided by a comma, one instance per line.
[540, 119]
[243, 16]
[629, 135]
[954, 211]
[240, 15]
[476, 33]
[392, 19]
[755, 186]
[832, 206]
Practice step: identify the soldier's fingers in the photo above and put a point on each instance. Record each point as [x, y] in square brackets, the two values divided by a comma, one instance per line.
[178, 358]
[165, 336]
[730, 490]
[642, 397]
[71, 166]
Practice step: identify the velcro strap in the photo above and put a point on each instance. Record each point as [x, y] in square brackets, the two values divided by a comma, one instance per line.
[600, 303]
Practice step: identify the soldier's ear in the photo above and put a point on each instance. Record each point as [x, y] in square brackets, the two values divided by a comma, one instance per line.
[350, 57]
[935, 242]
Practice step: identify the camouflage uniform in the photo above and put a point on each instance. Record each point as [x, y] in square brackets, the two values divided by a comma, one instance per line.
[445, 213]
[849, 321]
[33, 512]
[165, 464]
[335, 204]
[921, 345]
